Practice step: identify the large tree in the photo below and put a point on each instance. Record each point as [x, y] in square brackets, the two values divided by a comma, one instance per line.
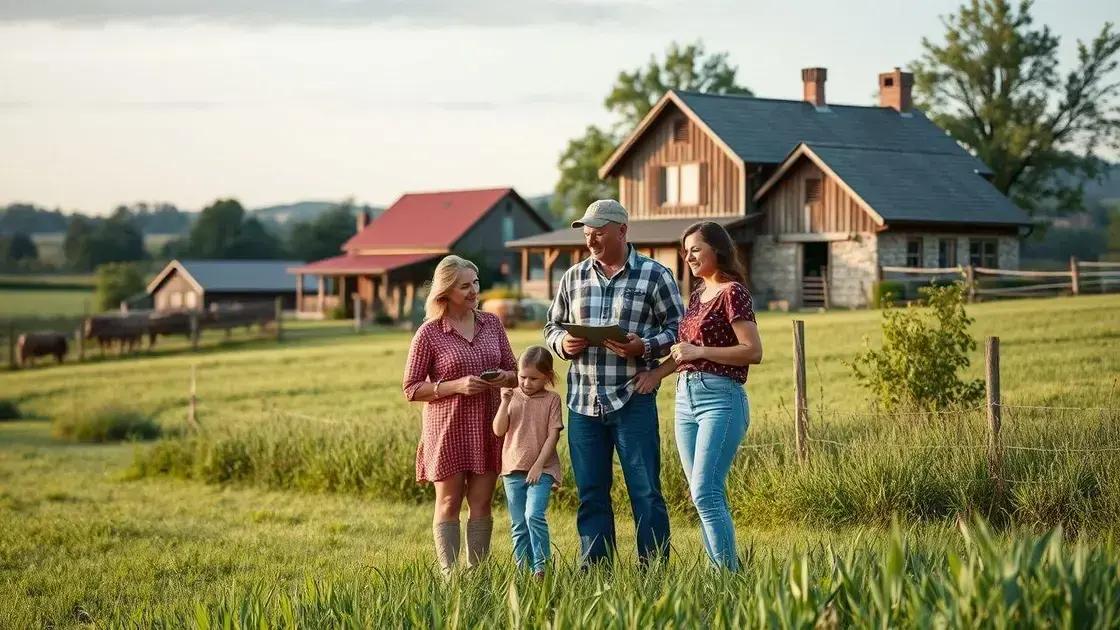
[994, 84]
[323, 237]
[634, 93]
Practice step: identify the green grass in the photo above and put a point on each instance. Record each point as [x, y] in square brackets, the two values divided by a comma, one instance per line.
[84, 536]
[26, 303]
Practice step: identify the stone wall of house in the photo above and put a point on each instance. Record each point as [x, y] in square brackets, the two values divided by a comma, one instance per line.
[852, 270]
[774, 271]
[892, 248]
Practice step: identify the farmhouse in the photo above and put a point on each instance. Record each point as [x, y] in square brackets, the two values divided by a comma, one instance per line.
[388, 260]
[200, 284]
[819, 196]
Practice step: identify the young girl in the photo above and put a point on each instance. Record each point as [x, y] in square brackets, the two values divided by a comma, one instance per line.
[529, 419]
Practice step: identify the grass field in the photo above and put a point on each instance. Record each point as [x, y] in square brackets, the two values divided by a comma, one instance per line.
[129, 534]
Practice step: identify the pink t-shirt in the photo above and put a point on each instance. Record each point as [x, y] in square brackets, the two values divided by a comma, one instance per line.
[531, 419]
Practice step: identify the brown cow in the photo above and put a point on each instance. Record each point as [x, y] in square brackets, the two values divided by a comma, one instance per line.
[40, 344]
[126, 328]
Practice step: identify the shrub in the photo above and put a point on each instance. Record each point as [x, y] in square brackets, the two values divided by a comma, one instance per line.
[500, 292]
[885, 292]
[338, 312]
[109, 423]
[9, 410]
[918, 363]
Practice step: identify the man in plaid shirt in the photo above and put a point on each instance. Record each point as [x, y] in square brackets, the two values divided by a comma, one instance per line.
[612, 397]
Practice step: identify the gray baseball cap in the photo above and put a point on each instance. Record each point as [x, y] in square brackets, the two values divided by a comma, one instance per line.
[602, 212]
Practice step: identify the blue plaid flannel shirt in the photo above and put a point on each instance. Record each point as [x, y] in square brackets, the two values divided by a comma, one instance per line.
[641, 298]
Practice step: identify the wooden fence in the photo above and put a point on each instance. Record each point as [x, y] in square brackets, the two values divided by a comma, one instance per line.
[988, 283]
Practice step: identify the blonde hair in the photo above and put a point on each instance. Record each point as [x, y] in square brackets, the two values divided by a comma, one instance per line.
[539, 358]
[443, 280]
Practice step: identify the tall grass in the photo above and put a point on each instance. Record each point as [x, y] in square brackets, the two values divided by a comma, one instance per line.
[1033, 582]
[108, 423]
[859, 474]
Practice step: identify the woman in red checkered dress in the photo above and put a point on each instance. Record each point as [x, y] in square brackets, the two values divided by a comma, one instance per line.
[458, 451]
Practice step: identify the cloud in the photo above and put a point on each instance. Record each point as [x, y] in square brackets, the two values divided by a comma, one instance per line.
[431, 13]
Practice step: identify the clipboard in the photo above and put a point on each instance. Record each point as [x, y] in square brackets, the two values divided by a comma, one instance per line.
[596, 335]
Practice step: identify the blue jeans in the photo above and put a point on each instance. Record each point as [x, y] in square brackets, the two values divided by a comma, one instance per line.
[527, 505]
[712, 418]
[592, 441]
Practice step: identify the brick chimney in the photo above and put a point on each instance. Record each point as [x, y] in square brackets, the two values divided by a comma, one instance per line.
[894, 90]
[812, 80]
[363, 220]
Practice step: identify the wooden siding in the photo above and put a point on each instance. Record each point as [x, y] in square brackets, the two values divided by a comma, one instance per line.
[719, 194]
[837, 210]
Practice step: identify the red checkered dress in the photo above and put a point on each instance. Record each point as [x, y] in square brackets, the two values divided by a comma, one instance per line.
[458, 434]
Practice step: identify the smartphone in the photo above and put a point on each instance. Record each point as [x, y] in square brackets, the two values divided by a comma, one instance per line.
[491, 375]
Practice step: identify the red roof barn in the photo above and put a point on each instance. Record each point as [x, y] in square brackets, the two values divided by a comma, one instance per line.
[386, 261]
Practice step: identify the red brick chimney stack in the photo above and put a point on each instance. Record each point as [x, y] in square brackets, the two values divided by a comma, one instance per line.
[363, 220]
[895, 90]
[812, 80]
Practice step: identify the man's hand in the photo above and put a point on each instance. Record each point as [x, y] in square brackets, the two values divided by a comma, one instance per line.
[534, 474]
[634, 347]
[646, 381]
[573, 346]
[684, 351]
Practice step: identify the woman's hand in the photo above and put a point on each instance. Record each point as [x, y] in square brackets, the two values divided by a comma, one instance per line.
[646, 381]
[685, 351]
[469, 385]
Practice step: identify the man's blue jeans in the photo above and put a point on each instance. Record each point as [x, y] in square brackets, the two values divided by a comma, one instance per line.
[592, 441]
[712, 418]
[527, 506]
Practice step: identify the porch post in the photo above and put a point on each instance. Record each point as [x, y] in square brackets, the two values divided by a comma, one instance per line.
[550, 256]
[322, 293]
[409, 298]
[299, 293]
[524, 267]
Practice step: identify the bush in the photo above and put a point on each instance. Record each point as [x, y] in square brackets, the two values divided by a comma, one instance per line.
[886, 292]
[116, 282]
[9, 410]
[500, 292]
[338, 312]
[109, 423]
[918, 363]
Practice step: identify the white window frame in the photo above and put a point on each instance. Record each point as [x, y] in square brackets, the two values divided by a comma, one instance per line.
[674, 186]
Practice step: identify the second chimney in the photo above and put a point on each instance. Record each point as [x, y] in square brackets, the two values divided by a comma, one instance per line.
[812, 80]
[362, 220]
[894, 90]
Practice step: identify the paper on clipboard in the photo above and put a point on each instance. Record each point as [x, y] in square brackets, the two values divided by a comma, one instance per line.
[596, 335]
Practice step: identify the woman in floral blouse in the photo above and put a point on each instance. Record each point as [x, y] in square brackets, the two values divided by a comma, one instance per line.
[717, 340]
[458, 451]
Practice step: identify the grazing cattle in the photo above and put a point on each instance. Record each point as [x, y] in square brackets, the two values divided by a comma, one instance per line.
[125, 328]
[168, 323]
[40, 344]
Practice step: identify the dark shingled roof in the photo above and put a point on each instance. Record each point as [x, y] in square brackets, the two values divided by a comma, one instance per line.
[761, 130]
[640, 232]
[920, 186]
[267, 276]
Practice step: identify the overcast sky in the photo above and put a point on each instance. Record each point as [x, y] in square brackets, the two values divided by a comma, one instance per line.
[270, 101]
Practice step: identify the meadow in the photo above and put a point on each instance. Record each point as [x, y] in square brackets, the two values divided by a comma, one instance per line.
[295, 506]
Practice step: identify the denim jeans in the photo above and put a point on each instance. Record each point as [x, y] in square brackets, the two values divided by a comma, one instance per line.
[712, 418]
[592, 441]
[527, 505]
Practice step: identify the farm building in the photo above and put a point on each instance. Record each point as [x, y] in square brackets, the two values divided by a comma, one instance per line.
[200, 284]
[388, 260]
[819, 196]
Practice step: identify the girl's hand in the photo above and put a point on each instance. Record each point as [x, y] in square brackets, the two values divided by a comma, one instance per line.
[507, 394]
[684, 351]
[469, 385]
[534, 474]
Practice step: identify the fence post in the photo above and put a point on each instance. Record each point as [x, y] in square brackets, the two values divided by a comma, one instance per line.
[192, 417]
[80, 343]
[357, 312]
[970, 282]
[995, 447]
[1074, 275]
[801, 420]
[12, 346]
[279, 315]
[194, 330]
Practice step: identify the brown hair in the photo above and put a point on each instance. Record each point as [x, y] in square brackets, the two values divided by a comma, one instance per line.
[541, 359]
[727, 255]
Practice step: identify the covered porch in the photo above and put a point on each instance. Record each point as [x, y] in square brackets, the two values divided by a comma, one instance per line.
[545, 257]
[376, 284]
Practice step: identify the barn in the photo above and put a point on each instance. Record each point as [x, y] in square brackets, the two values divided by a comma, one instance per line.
[201, 284]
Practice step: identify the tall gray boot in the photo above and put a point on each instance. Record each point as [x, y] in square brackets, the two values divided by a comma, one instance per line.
[446, 535]
[479, 531]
